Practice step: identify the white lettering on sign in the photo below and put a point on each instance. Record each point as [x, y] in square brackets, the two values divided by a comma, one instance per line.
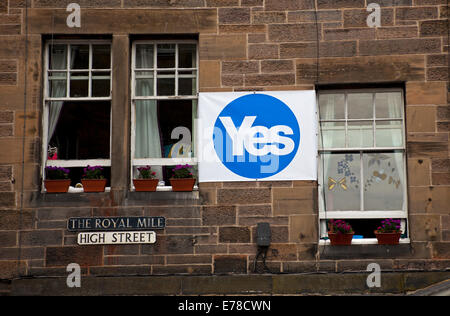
[258, 140]
[113, 238]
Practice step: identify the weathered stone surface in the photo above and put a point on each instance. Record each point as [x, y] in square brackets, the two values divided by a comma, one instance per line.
[230, 264]
[303, 228]
[293, 32]
[399, 47]
[243, 196]
[421, 119]
[234, 234]
[425, 227]
[361, 69]
[232, 47]
[234, 16]
[84, 256]
[219, 215]
[107, 21]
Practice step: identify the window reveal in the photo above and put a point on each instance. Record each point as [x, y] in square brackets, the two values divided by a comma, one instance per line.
[362, 156]
[164, 89]
[77, 100]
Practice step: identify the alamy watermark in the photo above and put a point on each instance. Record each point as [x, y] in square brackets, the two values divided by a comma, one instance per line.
[374, 18]
[74, 277]
[374, 278]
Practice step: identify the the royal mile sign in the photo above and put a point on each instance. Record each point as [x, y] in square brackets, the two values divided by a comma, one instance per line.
[115, 223]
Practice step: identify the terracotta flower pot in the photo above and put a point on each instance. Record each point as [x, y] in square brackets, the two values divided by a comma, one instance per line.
[57, 186]
[93, 185]
[182, 184]
[145, 185]
[388, 238]
[339, 239]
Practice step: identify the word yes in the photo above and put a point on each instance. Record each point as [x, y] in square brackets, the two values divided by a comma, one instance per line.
[246, 136]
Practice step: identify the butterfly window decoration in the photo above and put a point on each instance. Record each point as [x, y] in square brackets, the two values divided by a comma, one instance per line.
[385, 171]
[332, 184]
[344, 172]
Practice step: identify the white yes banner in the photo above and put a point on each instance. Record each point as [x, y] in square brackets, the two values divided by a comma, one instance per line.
[266, 136]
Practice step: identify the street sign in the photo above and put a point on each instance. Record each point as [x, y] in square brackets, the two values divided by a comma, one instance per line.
[115, 223]
[116, 238]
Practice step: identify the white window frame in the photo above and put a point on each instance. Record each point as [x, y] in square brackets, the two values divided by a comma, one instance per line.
[47, 100]
[134, 98]
[361, 214]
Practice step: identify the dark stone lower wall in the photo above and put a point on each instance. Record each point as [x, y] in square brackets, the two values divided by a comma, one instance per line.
[203, 236]
[282, 284]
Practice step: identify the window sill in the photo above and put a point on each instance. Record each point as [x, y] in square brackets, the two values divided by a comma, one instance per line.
[363, 241]
[77, 197]
[360, 250]
[164, 189]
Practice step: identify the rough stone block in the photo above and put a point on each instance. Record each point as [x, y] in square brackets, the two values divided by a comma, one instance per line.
[219, 215]
[303, 228]
[424, 227]
[41, 237]
[230, 47]
[230, 264]
[234, 234]
[244, 196]
[84, 256]
[419, 93]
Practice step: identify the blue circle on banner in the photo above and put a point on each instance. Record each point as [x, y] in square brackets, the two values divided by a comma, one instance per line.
[256, 136]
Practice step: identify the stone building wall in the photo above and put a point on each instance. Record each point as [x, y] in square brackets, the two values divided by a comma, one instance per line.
[244, 45]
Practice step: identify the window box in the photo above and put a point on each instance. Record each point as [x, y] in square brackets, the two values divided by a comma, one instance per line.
[388, 238]
[94, 185]
[57, 186]
[182, 185]
[340, 239]
[145, 185]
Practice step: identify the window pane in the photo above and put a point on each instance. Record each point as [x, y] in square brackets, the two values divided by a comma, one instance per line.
[79, 56]
[157, 122]
[82, 129]
[332, 106]
[187, 56]
[101, 85]
[389, 134]
[187, 86]
[57, 84]
[101, 56]
[360, 105]
[383, 181]
[165, 84]
[332, 134]
[166, 56]
[144, 56]
[187, 83]
[58, 57]
[388, 105]
[175, 119]
[144, 83]
[360, 134]
[79, 84]
[147, 141]
[342, 176]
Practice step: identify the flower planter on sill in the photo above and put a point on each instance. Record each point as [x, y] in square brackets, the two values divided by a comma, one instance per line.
[388, 238]
[340, 239]
[145, 185]
[182, 184]
[57, 186]
[94, 185]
